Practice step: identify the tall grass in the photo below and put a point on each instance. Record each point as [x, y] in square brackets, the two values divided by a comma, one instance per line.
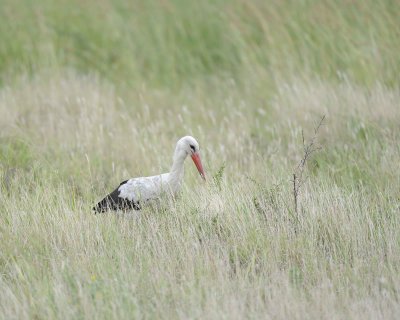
[172, 42]
[96, 92]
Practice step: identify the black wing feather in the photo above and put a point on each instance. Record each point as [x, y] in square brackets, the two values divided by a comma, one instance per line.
[113, 202]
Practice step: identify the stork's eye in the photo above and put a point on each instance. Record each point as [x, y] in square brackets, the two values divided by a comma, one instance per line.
[192, 147]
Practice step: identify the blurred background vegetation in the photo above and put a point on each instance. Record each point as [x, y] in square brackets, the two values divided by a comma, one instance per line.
[174, 42]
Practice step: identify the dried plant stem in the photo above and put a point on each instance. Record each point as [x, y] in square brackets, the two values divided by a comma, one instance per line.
[308, 150]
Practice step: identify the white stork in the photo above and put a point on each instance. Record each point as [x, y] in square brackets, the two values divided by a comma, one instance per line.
[133, 193]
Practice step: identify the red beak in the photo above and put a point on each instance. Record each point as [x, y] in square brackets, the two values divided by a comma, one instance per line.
[197, 161]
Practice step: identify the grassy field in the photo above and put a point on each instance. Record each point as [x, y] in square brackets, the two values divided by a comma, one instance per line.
[95, 92]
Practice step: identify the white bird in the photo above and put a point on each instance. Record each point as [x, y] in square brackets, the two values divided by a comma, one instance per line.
[133, 193]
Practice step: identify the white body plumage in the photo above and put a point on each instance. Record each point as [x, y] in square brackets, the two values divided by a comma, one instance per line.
[147, 188]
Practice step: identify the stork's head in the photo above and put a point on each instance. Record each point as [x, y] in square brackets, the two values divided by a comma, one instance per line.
[190, 146]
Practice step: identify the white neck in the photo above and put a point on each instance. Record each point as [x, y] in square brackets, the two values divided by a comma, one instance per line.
[177, 169]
